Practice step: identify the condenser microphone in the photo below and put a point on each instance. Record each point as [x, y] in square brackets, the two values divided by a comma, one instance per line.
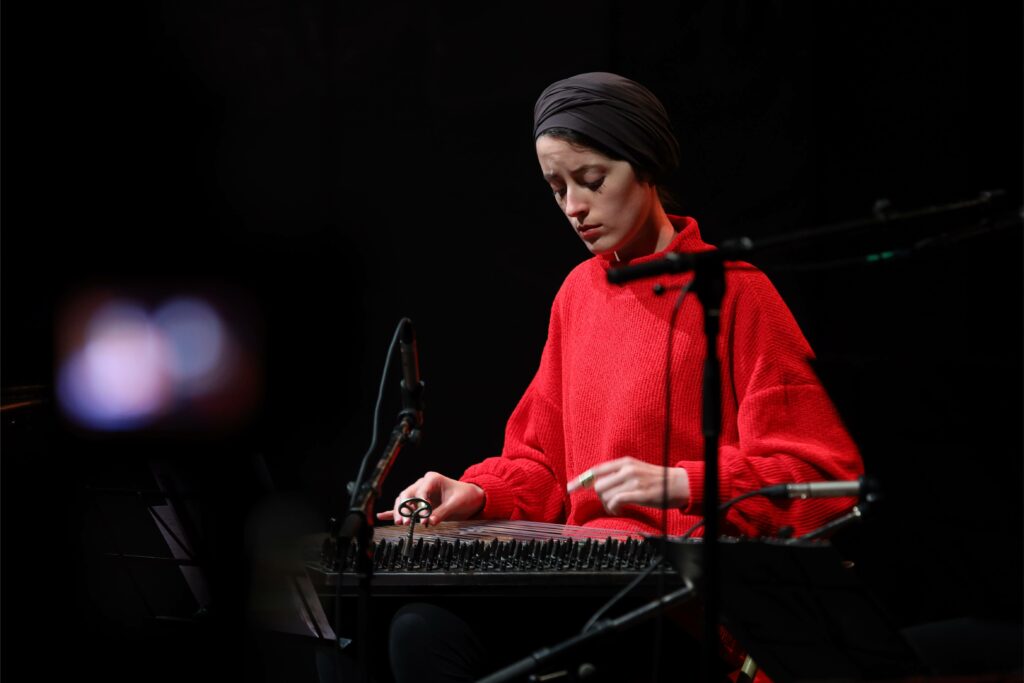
[412, 385]
[864, 488]
[855, 488]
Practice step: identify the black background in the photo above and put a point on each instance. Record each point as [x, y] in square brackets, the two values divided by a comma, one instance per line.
[340, 166]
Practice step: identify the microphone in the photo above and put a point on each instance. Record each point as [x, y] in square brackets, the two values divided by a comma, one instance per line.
[863, 487]
[672, 262]
[412, 385]
[680, 262]
[824, 489]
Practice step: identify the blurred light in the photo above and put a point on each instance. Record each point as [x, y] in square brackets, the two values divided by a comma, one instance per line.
[123, 367]
[196, 335]
[119, 379]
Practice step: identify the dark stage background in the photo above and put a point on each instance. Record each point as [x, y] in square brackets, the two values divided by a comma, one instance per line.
[337, 166]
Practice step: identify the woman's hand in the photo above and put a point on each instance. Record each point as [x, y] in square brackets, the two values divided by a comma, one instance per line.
[630, 481]
[452, 499]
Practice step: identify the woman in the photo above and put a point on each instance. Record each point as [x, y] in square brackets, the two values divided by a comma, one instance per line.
[585, 445]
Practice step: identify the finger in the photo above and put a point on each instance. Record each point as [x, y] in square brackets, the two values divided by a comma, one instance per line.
[611, 466]
[436, 516]
[428, 489]
[579, 482]
[612, 481]
[636, 491]
[590, 477]
[396, 514]
[444, 510]
[585, 480]
[386, 515]
[616, 502]
[463, 501]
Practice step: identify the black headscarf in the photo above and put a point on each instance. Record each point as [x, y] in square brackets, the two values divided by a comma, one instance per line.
[614, 111]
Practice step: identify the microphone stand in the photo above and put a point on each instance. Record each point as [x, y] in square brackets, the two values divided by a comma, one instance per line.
[358, 526]
[358, 522]
[741, 247]
[709, 286]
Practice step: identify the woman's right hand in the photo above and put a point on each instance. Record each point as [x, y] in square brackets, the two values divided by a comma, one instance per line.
[452, 499]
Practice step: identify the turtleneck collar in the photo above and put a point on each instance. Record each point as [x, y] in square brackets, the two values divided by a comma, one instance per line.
[687, 239]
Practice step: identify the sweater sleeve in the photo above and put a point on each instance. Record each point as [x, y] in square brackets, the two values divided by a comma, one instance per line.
[787, 429]
[527, 481]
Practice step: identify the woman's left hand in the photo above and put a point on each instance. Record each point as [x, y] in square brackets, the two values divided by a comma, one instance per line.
[627, 481]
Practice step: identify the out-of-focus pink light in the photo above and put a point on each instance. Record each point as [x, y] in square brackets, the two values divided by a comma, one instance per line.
[124, 367]
[119, 378]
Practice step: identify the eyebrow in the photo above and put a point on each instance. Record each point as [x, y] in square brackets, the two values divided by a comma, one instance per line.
[574, 171]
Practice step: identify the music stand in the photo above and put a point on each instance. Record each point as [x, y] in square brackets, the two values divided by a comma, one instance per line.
[800, 613]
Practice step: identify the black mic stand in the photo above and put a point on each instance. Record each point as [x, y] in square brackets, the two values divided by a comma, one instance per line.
[709, 285]
[358, 526]
[358, 522]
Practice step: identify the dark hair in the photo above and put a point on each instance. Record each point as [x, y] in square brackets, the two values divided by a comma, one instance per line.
[577, 139]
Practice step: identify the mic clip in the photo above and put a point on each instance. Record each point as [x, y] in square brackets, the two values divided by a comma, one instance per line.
[412, 410]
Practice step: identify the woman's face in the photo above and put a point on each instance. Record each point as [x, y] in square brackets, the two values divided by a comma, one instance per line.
[606, 204]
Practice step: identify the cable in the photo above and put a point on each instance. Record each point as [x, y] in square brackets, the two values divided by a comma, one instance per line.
[666, 443]
[355, 485]
[375, 435]
[774, 490]
[665, 448]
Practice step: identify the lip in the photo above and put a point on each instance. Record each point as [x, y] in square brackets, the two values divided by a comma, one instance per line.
[589, 232]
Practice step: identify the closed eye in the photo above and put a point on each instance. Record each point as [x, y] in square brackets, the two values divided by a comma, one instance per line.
[560, 190]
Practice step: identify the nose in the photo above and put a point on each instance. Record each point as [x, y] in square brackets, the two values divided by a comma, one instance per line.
[575, 205]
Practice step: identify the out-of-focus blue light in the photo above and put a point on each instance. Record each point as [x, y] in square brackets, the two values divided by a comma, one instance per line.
[197, 338]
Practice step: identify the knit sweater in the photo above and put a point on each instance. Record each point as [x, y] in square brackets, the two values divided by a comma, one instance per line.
[599, 394]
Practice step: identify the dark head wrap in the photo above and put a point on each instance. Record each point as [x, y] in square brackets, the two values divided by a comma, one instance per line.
[614, 111]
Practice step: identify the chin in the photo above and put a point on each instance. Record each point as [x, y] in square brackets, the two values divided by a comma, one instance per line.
[601, 246]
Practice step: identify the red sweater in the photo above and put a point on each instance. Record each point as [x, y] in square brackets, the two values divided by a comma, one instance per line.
[599, 394]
